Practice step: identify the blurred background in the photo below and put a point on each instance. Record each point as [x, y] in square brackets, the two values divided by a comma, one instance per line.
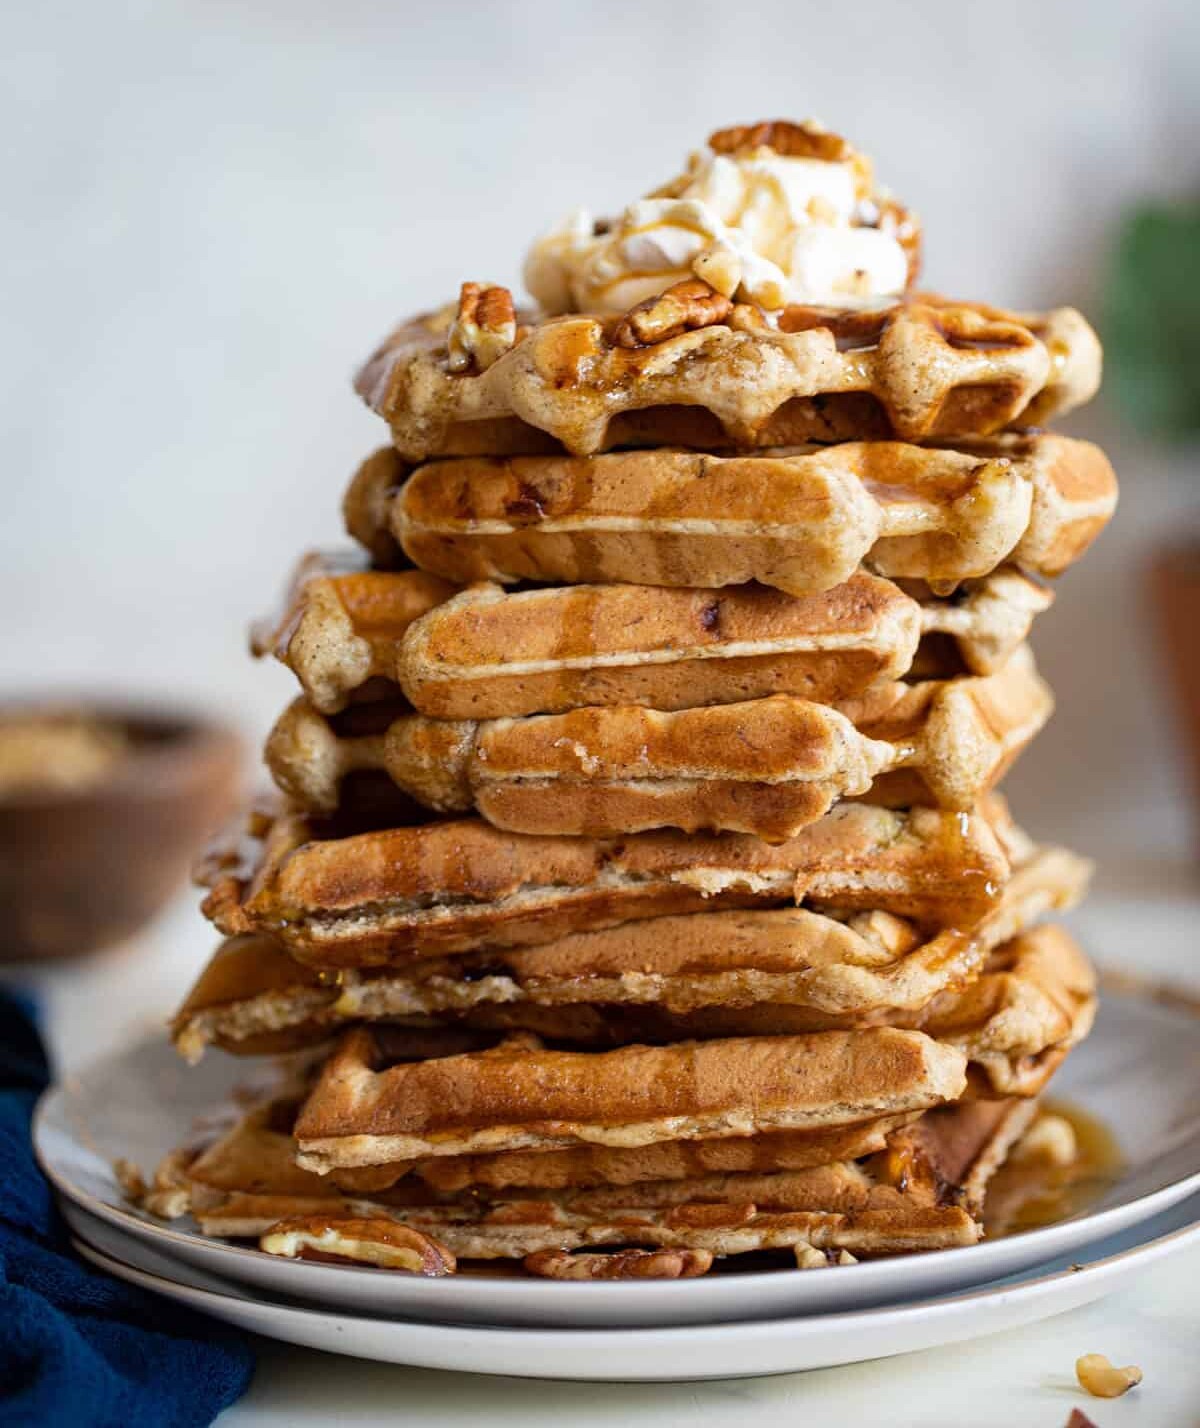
[213, 210]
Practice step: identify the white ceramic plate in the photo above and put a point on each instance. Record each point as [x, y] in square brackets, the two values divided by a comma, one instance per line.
[1139, 1073]
[692, 1352]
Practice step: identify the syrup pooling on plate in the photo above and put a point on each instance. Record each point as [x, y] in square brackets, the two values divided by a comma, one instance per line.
[1032, 1191]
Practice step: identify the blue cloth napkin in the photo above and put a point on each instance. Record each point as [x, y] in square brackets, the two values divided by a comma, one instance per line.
[78, 1347]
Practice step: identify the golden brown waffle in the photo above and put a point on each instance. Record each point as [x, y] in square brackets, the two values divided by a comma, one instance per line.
[952, 740]
[339, 622]
[1015, 1026]
[368, 1109]
[367, 503]
[253, 998]
[485, 654]
[802, 520]
[767, 766]
[256, 1156]
[509, 1174]
[842, 973]
[770, 767]
[924, 1193]
[400, 894]
[247, 1178]
[919, 368]
[245, 1182]
[349, 634]
[1015, 1023]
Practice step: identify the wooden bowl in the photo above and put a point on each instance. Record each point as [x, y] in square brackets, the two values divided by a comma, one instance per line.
[82, 868]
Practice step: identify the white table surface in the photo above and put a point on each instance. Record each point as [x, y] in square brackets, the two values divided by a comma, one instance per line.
[1143, 916]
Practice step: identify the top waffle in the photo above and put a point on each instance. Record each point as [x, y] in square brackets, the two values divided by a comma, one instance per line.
[719, 376]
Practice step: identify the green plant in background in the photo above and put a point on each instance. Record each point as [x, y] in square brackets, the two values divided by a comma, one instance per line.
[1152, 320]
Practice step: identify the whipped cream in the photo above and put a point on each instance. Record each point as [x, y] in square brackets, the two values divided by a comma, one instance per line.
[757, 226]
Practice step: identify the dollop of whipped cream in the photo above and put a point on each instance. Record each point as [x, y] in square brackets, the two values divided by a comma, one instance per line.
[794, 221]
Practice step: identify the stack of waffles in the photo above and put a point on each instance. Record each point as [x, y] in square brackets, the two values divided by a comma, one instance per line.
[638, 893]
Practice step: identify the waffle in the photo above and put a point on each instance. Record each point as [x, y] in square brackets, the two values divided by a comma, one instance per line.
[246, 1181]
[367, 503]
[924, 1193]
[919, 369]
[485, 654]
[339, 622]
[843, 972]
[1013, 1027]
[1015, 1023]
[345, 634]
[401, 894]
[800, 520]
[368, 1109]
[769, 766]
[508, 1174]
[252, 998]
[256, 1155]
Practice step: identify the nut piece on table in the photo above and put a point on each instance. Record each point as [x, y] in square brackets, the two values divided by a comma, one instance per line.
[624, 1264]
[809, 1257]
[484, 329]
[1099, 1378]
[381, 1242]
[683, 308]
[1079, 1419]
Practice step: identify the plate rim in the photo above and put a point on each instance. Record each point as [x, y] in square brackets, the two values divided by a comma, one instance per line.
[1038, 1285]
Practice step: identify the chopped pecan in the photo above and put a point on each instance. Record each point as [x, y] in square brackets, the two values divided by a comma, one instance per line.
[624, 1264]
[745, 317]
[682, 308]
[380, 1241]
[809, 1257]
[484, 329]
[806, 140]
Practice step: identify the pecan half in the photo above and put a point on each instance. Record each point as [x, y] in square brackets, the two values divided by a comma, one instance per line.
[624, 1264]
[385, 1243]
[682, 308]
[805, 140]
[484, 328]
